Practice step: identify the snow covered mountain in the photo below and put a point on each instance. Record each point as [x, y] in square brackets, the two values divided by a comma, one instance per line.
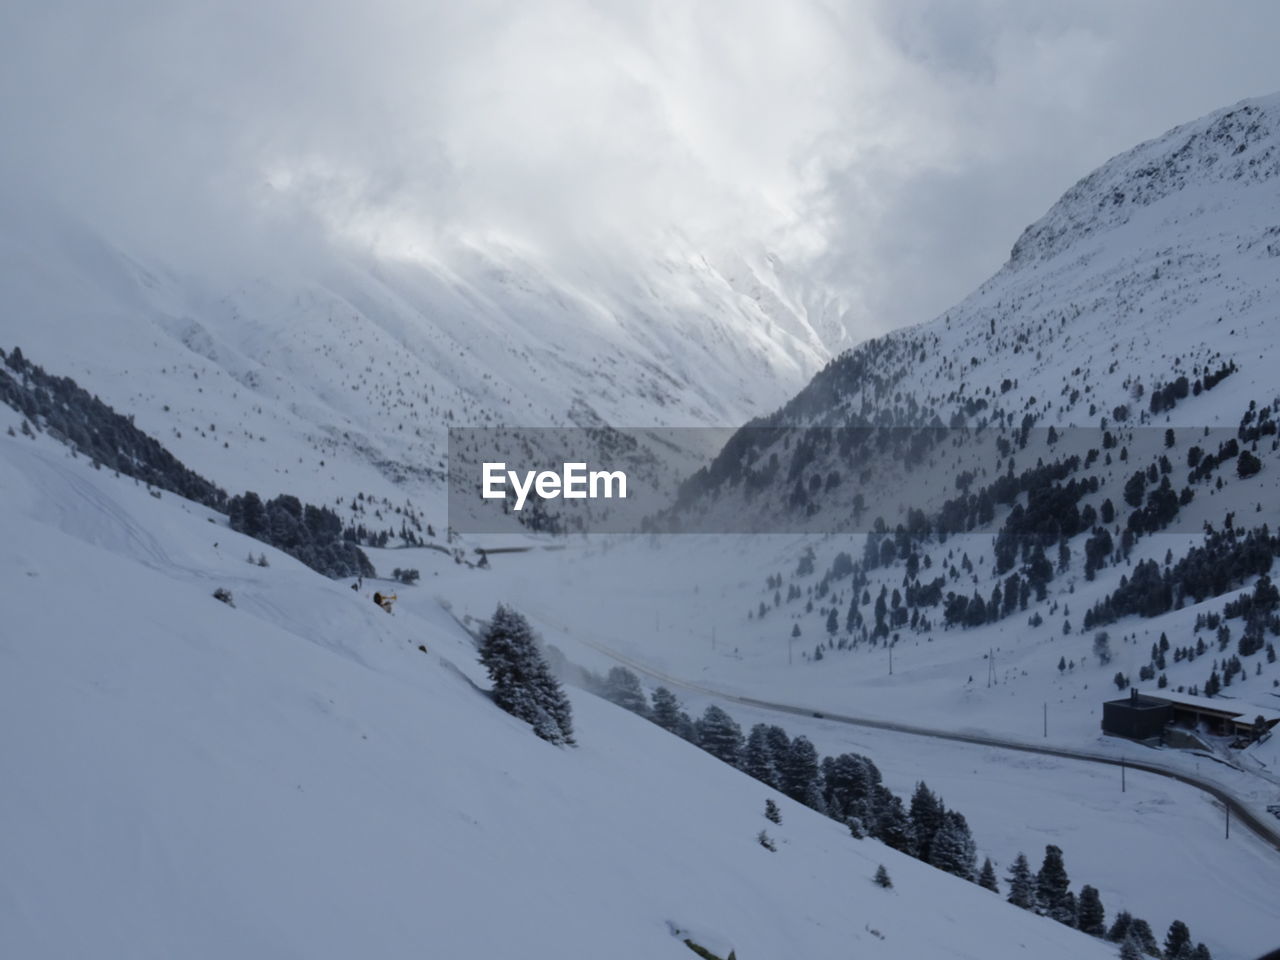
[341, 369]
[1164, 263]
[300, 774]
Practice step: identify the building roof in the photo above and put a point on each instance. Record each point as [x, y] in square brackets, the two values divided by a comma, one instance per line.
[1143, 703]
[1230, 707]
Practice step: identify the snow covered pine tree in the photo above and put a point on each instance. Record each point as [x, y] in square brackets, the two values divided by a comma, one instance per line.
[523, 684]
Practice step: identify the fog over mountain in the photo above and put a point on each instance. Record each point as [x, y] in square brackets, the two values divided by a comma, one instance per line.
[890, 149]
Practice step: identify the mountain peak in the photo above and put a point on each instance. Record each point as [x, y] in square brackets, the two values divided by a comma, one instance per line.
[1239, 144]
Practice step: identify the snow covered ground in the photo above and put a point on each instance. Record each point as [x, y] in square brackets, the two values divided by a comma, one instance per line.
[662, 604]
[291, 776]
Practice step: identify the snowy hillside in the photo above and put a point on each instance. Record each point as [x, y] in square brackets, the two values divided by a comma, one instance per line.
[340, 371]
[291, 776]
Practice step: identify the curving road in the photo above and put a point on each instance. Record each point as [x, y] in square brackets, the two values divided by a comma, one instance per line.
[1240, 813]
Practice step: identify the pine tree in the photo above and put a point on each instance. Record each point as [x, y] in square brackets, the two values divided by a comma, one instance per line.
[1247, 464]
[1120, 927]
[1022, 887]
[1067, 914]
[926, 819]
[523, 684]
[987, 876]
[1090, 915]
[847, 783]
[953, 849]
[1177, 942]
[891, 827]
[757, 758]
[882, 877]
[1140, 933]
[779, 744]
[623, 688]
[1052, 886]
[1129, 950]
[799, 774]
[1201, 952]
[666, 710]
[719, 735]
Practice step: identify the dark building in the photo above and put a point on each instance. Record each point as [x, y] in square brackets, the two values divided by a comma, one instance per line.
[1136, 717]
[1144, 717]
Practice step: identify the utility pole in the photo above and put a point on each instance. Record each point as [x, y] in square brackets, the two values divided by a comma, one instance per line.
[1046, 720]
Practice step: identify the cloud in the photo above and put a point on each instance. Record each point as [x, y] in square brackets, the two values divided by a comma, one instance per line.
[892, 149]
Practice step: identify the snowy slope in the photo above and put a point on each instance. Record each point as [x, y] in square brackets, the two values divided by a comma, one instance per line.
[292, 777]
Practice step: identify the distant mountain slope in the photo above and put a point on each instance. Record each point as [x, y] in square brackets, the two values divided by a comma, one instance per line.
[1077, 465]
[341, 371]
[1165, 263]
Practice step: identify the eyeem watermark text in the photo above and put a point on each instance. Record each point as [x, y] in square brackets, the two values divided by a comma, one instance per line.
[573, 482]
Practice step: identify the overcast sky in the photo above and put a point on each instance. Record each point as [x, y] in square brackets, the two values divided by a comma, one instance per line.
[894, 149]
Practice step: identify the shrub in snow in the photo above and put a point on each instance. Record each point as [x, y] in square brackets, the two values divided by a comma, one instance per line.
[882, 877]
[771, 812]
[223, 594]
[766, 841]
